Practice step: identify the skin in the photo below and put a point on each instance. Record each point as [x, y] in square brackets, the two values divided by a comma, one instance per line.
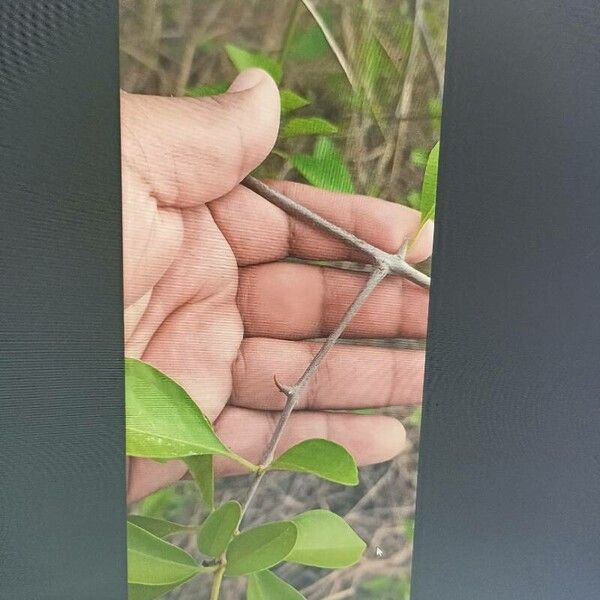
[209, 302]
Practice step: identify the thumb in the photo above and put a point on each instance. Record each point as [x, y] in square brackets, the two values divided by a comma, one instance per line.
[193, 150]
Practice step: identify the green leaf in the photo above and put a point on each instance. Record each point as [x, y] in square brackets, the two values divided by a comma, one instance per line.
[325, 540]
[307, 126]
[325, 168]
[158, 503]
[218, 529]
[244, 59]
[434, 107]
[418, 157]
[310, 43]
[416, 417]
[202, 470]
[265, 585]
[260, 548]
[290, 101]
[148, 592]
[158, 527]
[152, 561]
[429, 190]
[211, 89]
[320, 457]
[163, 422]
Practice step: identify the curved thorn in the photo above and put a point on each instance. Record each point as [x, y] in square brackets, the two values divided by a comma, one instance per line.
[284, 389]
[403, 250]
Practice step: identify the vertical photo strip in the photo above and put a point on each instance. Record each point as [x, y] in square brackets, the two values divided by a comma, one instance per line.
[279, 171]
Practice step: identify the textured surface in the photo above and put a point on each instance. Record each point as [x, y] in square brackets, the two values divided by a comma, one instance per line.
[509, 480]
[62, 510]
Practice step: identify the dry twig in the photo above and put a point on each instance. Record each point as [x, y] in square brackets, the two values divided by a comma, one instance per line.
[384, 264]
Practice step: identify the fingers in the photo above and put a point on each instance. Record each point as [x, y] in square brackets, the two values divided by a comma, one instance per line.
[147, 476]
[351, 377]
[191, 150]
[260, 232]
[191, 328]
[369, 438]
[152, 237]
[291, 301]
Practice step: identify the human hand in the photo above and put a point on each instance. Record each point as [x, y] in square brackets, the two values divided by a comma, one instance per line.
[209, 301]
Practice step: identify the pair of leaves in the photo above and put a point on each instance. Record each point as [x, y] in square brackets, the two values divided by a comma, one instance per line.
[324, 168]
[317, 538]
[244, 59]
[289, 100]
[164, 422]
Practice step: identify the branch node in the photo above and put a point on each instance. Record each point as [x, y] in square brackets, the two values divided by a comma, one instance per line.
[384, 263]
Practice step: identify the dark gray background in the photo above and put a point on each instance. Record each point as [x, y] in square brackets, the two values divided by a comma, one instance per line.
[509, 479]
[509, 494]
[62, 481]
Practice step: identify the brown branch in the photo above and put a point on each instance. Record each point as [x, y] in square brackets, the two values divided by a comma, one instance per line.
[394, 262]
[294, 392]
[384, 264]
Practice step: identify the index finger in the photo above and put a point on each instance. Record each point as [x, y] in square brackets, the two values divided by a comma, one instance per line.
[259, 232]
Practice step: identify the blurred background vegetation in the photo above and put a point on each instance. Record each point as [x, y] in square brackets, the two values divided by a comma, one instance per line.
[361, 83]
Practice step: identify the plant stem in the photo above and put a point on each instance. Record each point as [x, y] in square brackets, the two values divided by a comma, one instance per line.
[384, 264]
[395, 263]
[217, 581]
[293, 393]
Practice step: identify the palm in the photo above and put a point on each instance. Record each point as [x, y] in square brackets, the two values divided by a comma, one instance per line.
[211, 302]
[190, 326]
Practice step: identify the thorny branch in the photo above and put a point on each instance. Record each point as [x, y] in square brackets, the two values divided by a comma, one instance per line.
[394, 262]
[384, 264]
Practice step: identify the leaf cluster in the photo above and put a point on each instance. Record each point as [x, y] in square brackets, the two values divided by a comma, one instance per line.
[324, 167]
[164, 423]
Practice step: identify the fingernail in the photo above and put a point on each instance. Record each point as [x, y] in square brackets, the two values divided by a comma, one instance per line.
[247, 79]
